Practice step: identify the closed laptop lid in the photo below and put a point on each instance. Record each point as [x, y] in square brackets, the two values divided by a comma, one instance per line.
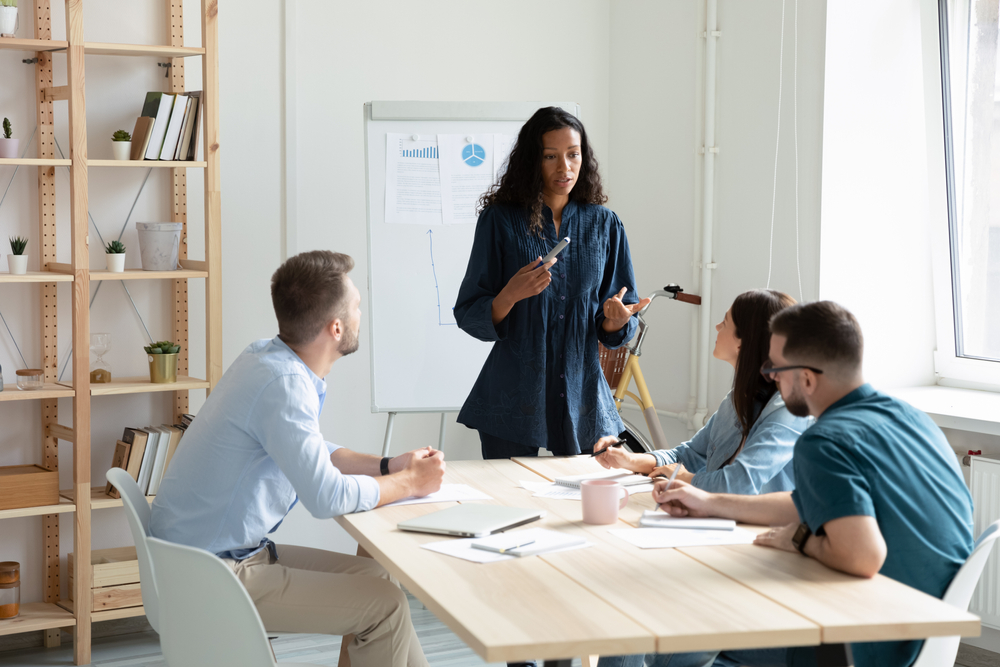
[472, 520]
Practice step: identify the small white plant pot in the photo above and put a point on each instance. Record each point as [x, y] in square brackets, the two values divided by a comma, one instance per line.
[122, 149]
[116, 262]
[8, 147]
[8, 21]
[18, 264]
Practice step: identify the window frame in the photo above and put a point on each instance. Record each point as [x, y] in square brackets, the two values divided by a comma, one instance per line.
[951, 369]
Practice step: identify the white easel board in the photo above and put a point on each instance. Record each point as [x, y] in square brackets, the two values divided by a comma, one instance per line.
[420, 360]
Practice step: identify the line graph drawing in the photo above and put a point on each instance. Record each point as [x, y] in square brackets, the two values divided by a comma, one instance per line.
[437, 289]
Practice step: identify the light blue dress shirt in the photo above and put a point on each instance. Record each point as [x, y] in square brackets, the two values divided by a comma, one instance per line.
[254, 450]
[763, 466]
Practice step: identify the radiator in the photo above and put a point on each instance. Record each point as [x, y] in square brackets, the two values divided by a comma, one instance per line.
[985, 486]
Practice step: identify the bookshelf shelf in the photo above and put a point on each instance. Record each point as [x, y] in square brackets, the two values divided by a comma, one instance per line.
[35, 162]
[64, 505]
[32, 45]
[49, 390]
[36, 277]
[98, 499]
[145, 164]
[67, 316]
[109, 615]
[107, 49]
[142, 385]
[36, 616]
[139, 274]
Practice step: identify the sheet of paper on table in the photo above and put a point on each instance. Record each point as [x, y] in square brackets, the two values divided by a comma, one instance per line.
[558, 491]
[462, 548]
[660, 519]
[447, 493]
[658, 538]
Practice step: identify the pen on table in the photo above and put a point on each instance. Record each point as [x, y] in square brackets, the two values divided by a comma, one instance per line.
[617, 443]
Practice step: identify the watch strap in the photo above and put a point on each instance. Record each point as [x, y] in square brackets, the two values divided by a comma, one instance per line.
[384, 465]
[800, 537]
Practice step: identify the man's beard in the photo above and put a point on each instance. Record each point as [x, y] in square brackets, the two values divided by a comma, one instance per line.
[796, 404]
[348, 343]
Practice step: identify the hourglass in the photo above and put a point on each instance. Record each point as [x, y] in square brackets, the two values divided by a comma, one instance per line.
[100, 370]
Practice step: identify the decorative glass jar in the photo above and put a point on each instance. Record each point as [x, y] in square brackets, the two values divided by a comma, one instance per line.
[29, 378]
[10, 589]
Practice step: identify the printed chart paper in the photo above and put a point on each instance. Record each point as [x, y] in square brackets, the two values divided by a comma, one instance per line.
[412, 180]
[466, 165]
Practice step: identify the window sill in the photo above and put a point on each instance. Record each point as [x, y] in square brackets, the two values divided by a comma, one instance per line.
[950, 407]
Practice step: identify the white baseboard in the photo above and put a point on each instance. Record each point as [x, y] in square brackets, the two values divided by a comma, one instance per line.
[989, 640]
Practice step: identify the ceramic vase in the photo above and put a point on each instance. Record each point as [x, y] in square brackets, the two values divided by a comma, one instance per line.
[8, 147]
[159, 243]
[18, 264]
[116, 261]
[8, 21]
[122, 150]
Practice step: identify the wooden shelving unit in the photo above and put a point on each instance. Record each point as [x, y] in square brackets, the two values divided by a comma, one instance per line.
[79, 501]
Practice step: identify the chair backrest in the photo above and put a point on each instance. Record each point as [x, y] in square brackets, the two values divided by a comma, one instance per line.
[137, 513]
[942, 650]
[206, 616]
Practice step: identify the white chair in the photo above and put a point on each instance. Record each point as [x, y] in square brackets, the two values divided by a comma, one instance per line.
[207, 618]
[137, 513]
[943, 650]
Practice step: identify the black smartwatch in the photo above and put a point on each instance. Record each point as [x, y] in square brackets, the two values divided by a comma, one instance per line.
[800, 537]
[384, 465]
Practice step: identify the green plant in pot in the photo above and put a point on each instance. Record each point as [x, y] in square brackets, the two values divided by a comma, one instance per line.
[8, 144]
[162, 361]
[121, 145]
[8, 18]
[115, 254]
[17, 260]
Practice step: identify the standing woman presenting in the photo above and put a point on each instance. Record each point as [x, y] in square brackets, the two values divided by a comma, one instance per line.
[542, 385]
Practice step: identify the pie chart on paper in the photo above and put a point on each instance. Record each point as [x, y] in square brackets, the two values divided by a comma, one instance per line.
[473, 155]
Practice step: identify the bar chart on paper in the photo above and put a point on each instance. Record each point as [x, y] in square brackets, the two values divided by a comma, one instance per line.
[424, 151]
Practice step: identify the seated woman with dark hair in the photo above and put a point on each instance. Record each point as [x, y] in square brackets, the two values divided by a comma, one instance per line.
[746, 446]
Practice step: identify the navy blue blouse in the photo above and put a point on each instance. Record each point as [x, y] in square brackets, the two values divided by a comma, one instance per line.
[542, 383]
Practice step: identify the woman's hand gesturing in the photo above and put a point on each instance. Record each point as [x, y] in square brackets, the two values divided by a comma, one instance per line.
[617, 314]
[527, 282]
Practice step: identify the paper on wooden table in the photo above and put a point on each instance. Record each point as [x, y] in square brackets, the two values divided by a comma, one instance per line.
[657, 538]
[447, 493]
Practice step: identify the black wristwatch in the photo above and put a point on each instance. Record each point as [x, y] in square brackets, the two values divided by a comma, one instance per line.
[384, 465]
[800, 537]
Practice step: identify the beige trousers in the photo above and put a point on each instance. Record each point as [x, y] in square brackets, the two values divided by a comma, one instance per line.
[315, 591]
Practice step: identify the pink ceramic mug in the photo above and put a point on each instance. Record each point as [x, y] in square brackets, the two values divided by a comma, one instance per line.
[602, 498]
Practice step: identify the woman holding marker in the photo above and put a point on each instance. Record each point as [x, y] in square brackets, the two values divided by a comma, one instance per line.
[745, 448]
[542, 385]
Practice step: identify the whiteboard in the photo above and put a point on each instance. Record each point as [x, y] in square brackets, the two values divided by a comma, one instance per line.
[420, 360]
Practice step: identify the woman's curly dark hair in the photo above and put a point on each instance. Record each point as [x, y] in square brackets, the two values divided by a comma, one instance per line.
[521, 183]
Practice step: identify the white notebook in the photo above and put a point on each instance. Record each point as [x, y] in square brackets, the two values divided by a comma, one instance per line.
[623, 477]
[658, 519]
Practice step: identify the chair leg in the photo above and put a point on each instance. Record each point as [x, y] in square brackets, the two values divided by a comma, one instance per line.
[590, 660]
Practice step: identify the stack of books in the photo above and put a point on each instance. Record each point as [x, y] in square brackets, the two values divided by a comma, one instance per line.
[168, 127]
[145, 453]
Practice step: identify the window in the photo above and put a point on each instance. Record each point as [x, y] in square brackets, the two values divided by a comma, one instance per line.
[970, 77]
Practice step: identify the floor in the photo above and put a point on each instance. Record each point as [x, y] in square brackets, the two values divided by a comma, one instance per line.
[441, 646]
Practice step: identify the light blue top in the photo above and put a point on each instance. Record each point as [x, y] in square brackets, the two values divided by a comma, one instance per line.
[254, 450]
[763, 466]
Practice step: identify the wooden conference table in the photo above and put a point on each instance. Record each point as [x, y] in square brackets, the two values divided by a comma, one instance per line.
[614, 598]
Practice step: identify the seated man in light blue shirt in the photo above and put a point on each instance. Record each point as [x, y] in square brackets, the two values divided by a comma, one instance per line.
[255, 450]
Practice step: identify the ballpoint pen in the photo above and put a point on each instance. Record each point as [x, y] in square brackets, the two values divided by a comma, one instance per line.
[670, 481]
[617, 443]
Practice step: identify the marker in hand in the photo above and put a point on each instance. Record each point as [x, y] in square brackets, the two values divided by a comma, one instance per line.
[554, 252]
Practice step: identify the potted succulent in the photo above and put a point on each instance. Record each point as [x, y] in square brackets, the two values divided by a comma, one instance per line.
[121, 145]
[8, 145]
[115, 254]
[18, 261]
[8, 18]
[162, 361]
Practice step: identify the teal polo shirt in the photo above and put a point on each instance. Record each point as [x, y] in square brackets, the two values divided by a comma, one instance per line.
[873, 455]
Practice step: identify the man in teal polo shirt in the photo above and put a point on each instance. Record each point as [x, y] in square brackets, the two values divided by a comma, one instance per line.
[878, 488]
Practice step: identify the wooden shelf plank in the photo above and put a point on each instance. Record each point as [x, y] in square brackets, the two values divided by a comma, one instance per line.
[32, 45]
[65, 505]
[98, 499]
[49, 390]
[36, 277]
[108, 615]
[142, 164]
[139, 274]
[35, 162]
[107, 49]
[142, 385]
[37, 616]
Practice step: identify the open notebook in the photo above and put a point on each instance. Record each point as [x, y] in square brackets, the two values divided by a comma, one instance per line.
[623, 477]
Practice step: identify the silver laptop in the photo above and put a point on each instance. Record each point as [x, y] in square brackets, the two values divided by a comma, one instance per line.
[472, 520]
